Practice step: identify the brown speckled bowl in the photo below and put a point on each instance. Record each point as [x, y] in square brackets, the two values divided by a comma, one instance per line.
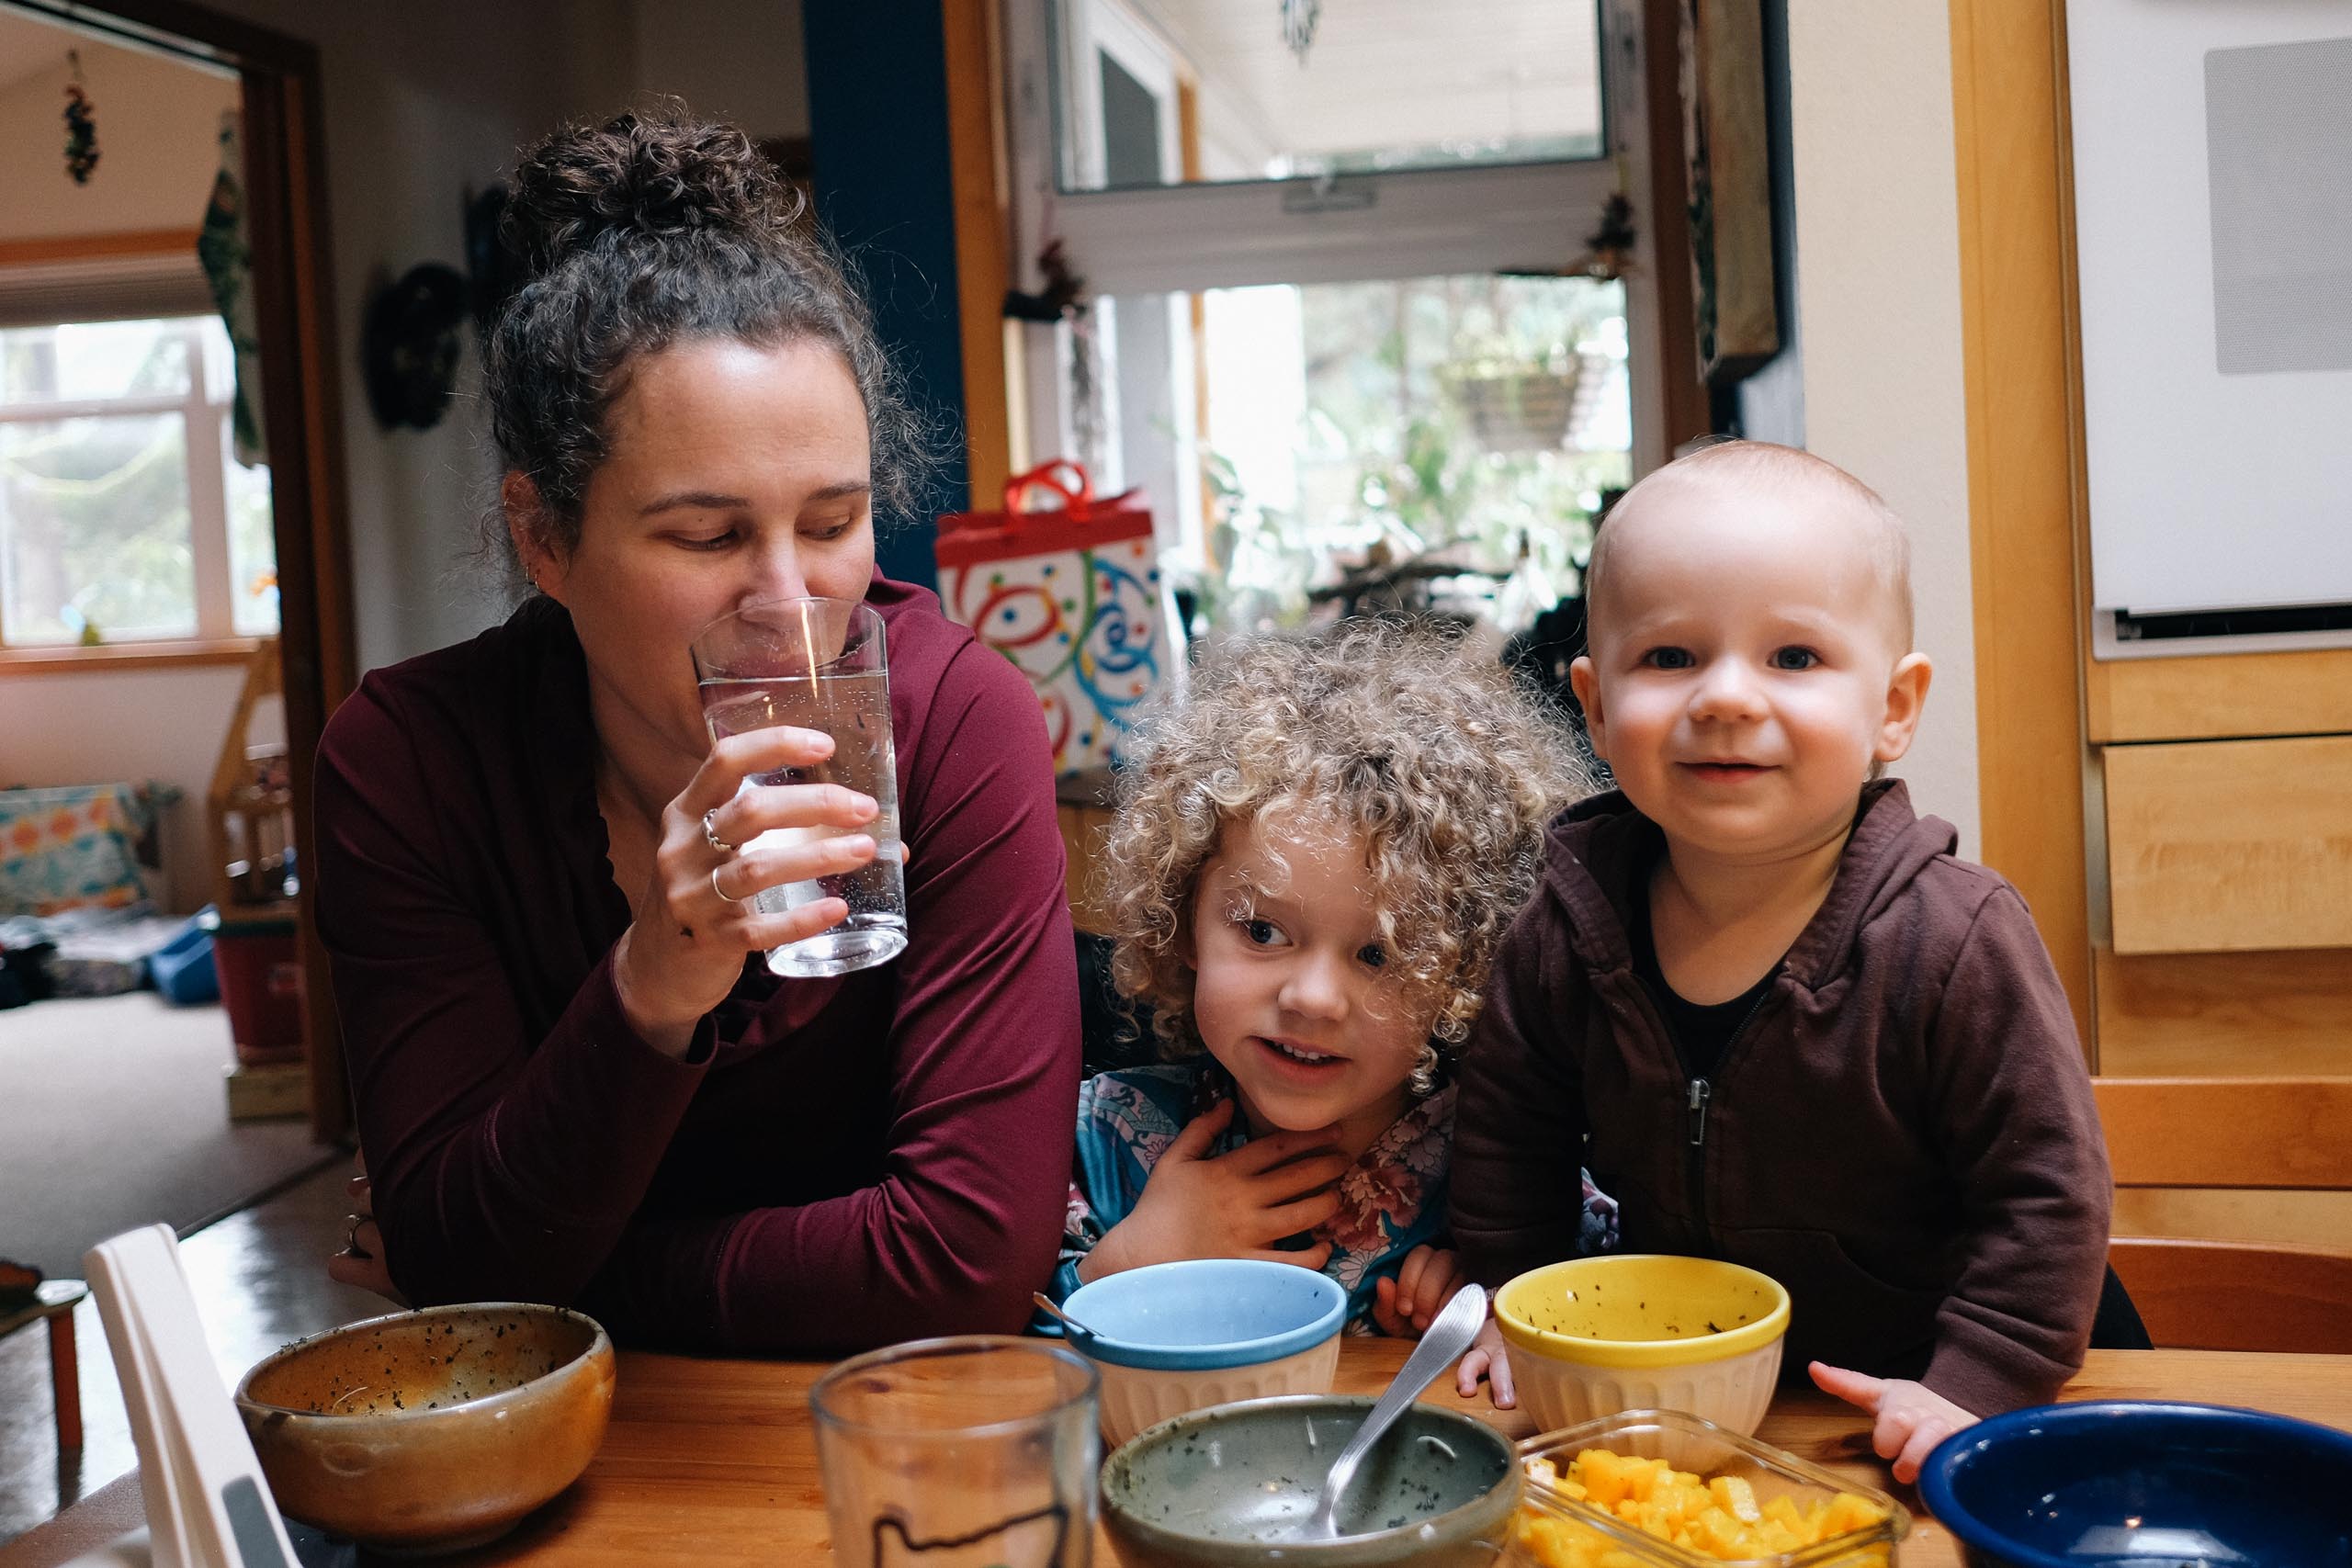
[433, 1430]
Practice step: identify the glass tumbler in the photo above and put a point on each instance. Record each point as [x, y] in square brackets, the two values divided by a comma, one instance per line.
[816, 665]
[979, 1452]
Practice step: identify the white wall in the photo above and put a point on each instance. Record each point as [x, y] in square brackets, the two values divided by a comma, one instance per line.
[96, 727]
[158, 121]
[425, 103]
[1878, 277]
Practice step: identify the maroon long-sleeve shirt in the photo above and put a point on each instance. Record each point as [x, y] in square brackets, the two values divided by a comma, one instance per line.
[835, 1163]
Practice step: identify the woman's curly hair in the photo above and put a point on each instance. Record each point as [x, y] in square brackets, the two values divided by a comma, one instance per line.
[1444, 765]
[650, 230]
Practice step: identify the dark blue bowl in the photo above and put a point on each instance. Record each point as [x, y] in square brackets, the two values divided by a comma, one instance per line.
[2128, 1484]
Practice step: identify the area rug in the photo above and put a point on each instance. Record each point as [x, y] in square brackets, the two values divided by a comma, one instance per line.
[113, 1114]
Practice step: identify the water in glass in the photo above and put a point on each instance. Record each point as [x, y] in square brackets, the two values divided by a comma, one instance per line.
[855, 709]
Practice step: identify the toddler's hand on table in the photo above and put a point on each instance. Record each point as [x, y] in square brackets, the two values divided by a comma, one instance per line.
[1235, 1204]
[1911, 1418]
[1487, 1359]
[1404, 1307]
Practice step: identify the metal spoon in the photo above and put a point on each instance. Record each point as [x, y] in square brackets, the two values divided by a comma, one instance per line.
[1449, 1336]
[1046, 1305]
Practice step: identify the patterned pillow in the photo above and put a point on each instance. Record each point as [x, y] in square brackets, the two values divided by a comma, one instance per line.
[73, 847]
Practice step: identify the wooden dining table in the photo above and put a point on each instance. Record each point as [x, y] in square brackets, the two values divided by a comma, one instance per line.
[714, 1460]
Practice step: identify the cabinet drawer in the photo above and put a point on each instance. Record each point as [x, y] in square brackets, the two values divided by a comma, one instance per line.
[2225, 846]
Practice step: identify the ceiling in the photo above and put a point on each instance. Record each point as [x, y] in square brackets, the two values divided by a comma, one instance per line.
[1387, 72]
[32, 47]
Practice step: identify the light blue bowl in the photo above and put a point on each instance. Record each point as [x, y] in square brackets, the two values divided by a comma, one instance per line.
[1205, 1313]
[2137, 1485]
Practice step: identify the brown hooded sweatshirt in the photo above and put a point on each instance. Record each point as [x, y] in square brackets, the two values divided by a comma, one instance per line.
[1902, 1133]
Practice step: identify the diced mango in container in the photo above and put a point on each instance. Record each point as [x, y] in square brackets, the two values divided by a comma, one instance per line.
[1720, 1518]
[1603, 1475]
[1714, 1532]
[1735, 1496]
[1847, 1512]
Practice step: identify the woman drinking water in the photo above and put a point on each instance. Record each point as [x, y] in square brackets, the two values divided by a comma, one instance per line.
[576, 1080]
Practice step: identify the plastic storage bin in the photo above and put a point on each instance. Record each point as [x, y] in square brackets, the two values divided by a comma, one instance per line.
[183, 970]
[261, 983]
[1707, 1451]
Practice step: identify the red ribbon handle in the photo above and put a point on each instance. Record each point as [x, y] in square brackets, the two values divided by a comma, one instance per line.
[1064, 476]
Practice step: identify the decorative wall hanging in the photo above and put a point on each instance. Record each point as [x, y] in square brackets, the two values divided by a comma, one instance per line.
[410, 343]
[81, 125]
[1729, 183]
[1608, 250]
[224, 249]
[1064, 293]
[1299, 18]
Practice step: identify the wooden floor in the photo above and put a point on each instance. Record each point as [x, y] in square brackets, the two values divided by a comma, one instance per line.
[259, 1278]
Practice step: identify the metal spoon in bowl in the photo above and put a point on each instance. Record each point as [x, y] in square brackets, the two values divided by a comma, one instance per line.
[1076, 1329]
[1448, 1338]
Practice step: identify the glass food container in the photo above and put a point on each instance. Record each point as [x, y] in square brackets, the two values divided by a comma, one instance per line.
[1577, 1532]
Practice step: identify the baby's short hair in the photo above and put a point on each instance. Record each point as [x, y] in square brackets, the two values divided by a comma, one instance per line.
[1745, 463]
[1445, 764]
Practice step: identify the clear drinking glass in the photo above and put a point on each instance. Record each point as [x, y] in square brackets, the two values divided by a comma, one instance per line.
[816, 665]
[969, 1452]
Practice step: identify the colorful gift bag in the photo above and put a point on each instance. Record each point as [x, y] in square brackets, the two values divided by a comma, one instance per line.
[1072, 594]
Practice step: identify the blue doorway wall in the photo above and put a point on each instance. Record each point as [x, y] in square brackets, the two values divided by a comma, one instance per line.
[877, 112]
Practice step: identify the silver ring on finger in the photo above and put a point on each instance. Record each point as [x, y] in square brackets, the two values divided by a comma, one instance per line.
[715, 887]
[711, 836]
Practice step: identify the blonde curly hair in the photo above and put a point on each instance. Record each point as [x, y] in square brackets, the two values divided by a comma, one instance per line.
[1441, 762]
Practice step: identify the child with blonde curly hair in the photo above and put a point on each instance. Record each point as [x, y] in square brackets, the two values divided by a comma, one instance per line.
[1314, 855]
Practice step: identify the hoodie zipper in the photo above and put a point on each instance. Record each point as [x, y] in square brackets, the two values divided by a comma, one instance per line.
[1703, 1093]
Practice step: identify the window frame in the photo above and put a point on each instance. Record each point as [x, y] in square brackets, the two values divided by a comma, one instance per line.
[204, 415]
[1183, 238]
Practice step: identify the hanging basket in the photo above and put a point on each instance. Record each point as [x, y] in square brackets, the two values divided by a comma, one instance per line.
[1517, 409]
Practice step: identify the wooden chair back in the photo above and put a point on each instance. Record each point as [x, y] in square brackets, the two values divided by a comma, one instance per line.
[2267, 1134]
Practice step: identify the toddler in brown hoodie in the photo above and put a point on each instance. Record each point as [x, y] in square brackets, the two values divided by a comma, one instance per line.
[1798, 1032]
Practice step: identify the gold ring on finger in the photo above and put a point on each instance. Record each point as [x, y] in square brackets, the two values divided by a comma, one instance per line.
[711, 836]
[715, 887]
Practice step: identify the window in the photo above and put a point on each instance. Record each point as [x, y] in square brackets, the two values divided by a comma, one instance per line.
[1339, 318]
[125, 516]
[1365, 88]
[1472, 421]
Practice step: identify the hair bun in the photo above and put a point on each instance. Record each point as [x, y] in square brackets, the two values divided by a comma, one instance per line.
[648, 174]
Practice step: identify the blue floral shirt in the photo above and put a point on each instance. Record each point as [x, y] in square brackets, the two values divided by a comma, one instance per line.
[1391, 1201]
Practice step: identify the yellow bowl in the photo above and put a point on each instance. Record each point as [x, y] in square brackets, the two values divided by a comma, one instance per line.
[1596, 1335]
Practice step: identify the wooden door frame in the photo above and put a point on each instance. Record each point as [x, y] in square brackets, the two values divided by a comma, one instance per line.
[302, 404]
[2022, 357]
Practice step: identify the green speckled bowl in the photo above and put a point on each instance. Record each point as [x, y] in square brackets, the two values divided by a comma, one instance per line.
[1227, 1487]
[431, 1430]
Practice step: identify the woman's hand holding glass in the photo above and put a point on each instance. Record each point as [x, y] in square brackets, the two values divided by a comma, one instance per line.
[696, 920]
